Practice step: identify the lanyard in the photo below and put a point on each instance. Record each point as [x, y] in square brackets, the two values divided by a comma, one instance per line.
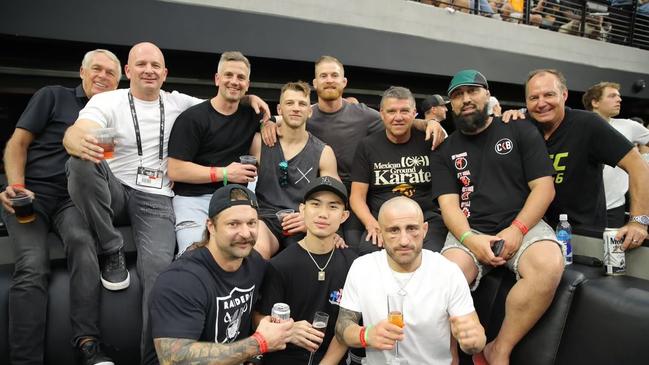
[137, 126]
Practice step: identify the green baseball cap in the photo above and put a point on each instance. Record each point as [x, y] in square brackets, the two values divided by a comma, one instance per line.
[467, 78]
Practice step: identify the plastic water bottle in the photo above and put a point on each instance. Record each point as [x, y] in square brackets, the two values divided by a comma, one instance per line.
[564, 235]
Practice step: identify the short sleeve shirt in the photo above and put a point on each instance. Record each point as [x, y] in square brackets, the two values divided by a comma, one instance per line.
[490, 171]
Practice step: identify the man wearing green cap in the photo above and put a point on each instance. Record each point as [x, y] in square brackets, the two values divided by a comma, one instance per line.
[493, 182]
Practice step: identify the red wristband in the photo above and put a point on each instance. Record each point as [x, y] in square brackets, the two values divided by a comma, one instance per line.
[213, 174]
[263, 345]
[361, 336]
[21, 186]
[521, 226]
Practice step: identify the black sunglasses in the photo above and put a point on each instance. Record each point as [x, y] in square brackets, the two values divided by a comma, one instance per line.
[283, 173]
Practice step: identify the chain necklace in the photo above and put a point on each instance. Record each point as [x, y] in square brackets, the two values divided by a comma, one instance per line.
[321, 270]
[402, 288]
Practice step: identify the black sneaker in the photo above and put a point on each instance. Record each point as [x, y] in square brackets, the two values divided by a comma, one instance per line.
[91, 354]
[114, 275]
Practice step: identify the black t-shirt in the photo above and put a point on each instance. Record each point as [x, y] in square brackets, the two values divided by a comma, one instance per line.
[48, 115]
[292, 278]
[343, 130]
[395, 169]
[579, 148]
[195, 299]
[490, 171]
[206, 137]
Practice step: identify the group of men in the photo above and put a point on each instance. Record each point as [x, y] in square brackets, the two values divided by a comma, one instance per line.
[176, 177]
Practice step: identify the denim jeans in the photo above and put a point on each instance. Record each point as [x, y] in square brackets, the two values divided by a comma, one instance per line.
[28, 292]
[105, 202]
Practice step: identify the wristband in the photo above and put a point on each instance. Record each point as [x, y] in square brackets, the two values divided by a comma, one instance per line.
[261, 341]
[367, 334]
[361, 337]
[21, 186]
[521, 226]
[225, 175]
[465, 235]
[213, 174]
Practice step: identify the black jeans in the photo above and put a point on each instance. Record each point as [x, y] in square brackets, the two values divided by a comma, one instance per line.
[28, 292]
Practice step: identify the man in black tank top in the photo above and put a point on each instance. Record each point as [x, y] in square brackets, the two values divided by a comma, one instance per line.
[286, 169]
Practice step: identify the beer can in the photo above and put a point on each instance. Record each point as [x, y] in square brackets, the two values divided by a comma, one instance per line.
[281, 312]
[614, 260]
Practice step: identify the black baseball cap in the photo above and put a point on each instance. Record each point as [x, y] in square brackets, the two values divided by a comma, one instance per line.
[433, 100]
[224, 198]
[467, 78]
[326, 183]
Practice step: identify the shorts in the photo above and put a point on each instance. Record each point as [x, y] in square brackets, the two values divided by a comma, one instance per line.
[540, 232]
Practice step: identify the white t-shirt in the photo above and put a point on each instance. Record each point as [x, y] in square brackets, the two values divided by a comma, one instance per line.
[436, 290]
[111, 109]
[616, 180]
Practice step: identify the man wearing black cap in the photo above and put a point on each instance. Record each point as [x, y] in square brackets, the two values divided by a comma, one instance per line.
[201, 306]
[493, 182]
[434, 108]
[309, 277]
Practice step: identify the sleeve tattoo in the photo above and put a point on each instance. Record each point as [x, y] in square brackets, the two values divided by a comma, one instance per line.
[186, 351]
[345, 319]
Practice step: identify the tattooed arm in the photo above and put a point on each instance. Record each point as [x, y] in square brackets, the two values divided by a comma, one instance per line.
[185, 351]
[188, 351]
[347, 327]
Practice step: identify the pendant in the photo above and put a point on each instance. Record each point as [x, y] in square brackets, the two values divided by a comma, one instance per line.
[321, 276]
[402, 292]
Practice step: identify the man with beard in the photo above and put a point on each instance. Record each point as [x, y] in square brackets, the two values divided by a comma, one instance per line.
[435, 296]
[493, 182]
[201, 306]
[604, 99]
[205, 145]
[322, 270]
[390, 163]
[343, 125]
[287, 168]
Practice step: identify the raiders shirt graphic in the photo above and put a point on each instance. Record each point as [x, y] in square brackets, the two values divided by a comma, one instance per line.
[229, 311]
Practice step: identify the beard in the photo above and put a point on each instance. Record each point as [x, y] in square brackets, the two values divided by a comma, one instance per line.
[330, 94]
[470, 124]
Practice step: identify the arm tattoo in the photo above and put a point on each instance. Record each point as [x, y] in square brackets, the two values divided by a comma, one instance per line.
[346, 318]
[185, 351]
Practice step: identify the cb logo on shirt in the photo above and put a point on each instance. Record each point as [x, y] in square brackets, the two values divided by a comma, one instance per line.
[504, 146]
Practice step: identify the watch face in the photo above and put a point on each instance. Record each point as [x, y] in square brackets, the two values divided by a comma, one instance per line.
[642, 219]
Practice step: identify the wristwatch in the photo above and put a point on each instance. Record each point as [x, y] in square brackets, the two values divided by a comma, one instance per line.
[642, 219]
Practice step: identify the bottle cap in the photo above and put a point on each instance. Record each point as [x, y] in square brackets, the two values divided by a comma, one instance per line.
[563, 217]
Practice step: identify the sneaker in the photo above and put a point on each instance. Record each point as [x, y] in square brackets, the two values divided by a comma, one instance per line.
[91, 354]
[114, 275]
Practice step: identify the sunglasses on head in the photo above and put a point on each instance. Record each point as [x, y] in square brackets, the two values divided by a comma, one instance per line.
[283, 173]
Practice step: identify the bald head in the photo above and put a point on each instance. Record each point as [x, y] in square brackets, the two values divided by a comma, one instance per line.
[146, 71]
[144, 47]
[399, 204]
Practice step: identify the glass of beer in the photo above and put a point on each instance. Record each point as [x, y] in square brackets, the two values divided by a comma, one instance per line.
[395, 316]
[280, 217]
[23, 208]
[248, 160]
[320, 320]
[106, 140]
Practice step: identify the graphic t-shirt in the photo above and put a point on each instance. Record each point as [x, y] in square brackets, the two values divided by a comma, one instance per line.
[195, 299]
[578, 149]
[395, 169]
[490, 171]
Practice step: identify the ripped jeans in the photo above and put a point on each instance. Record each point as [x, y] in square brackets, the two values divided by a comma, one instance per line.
[191, 217]
[105, 203]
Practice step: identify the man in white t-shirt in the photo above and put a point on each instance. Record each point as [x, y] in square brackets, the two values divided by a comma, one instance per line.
[604, 99]
[436, 297]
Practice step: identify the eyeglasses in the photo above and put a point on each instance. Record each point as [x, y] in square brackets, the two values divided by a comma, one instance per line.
[283, 173]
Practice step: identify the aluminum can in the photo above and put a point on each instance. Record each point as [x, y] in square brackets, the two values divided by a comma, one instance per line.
[281, 312]
[614, 260]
